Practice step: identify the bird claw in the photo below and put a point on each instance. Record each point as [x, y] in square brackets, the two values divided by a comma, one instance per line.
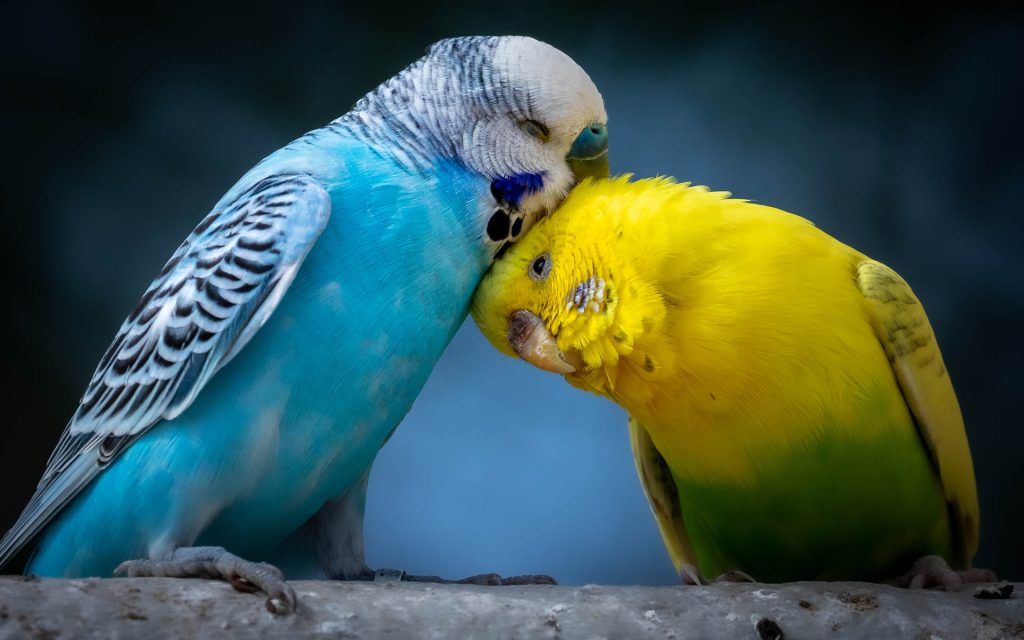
[534, 578]
[484, 579]
[389, 575]
[242, 585]
[735, 575]
[216, 563]
[934, 571]
[690, 575]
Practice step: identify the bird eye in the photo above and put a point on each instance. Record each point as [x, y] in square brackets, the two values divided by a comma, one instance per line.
[535, 129]
[540, 267]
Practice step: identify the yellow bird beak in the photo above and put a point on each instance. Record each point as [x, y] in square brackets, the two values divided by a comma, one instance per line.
[588, 157]
[532, 342]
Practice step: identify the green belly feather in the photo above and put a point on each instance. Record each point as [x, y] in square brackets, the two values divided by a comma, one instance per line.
[845, 507]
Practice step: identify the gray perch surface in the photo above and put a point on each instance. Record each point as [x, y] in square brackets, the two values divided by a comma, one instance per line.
[167, 608]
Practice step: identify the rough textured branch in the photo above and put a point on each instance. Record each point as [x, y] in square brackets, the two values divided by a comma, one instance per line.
[163, 608]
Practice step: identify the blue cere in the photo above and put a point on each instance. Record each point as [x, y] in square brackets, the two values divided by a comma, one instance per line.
[591, 143]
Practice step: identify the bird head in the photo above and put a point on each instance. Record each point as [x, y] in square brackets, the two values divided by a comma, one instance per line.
[511, 109]
[570, 297]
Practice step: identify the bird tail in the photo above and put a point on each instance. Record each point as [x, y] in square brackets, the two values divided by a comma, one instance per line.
[47, 501]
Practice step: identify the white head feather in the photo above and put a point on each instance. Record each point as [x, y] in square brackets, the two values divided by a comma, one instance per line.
[473, 99]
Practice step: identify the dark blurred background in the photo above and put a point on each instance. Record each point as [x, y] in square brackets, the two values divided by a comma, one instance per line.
[899, 133]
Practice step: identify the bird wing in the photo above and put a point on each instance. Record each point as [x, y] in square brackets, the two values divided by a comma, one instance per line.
[903, 329]
[211, 297]
[660, 487]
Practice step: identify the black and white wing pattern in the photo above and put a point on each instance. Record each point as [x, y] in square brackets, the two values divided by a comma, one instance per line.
[211, 297]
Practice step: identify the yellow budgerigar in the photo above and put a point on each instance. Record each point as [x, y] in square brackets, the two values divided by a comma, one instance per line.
[791, 416]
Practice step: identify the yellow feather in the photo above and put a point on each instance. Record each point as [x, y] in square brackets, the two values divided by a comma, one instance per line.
[737, 334]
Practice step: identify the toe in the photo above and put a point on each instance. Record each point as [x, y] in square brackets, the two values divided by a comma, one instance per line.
[484, 579]
[141, 569]
[950, 581]
[281, 598]
[735, 575]
[249, 577]
[130, 568]
[394, 575]
[242, 585]
[978, 575]
[690, 575]
[214, 562]
[272, 570]
[931, 571]
[528, 579]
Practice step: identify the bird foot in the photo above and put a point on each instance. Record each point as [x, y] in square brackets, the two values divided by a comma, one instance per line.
[484, 579]
[735, 575]
[691, 575]
[934, 571]
[216, 563]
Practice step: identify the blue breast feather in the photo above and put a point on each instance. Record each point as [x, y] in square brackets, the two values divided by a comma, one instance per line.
[300, 413]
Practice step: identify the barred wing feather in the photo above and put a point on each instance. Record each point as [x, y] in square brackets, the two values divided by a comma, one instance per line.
[211, 297]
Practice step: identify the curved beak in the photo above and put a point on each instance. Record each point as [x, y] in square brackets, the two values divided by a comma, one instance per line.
[532, 342]
[588, 157]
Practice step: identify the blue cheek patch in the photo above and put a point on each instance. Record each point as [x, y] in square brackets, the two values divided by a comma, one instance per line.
[512, 190]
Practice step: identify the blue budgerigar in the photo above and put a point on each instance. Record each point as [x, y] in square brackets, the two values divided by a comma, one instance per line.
[243, 401]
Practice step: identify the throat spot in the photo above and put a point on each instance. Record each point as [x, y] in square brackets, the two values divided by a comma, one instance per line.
[504, 228]
[588, 295]
[500, 224]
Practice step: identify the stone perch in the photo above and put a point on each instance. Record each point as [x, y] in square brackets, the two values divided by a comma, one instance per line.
[156, 608]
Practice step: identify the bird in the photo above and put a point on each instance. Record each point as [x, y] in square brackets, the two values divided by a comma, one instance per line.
[791, 417]
[242, 402]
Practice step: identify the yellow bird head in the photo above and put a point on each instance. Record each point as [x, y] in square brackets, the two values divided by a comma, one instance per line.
[570, 297]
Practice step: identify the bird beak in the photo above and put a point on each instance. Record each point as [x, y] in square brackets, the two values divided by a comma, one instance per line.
[588, 157]
[532, 342]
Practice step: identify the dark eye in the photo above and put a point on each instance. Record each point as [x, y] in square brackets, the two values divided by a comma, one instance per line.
[535, 129]
[540, 267]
